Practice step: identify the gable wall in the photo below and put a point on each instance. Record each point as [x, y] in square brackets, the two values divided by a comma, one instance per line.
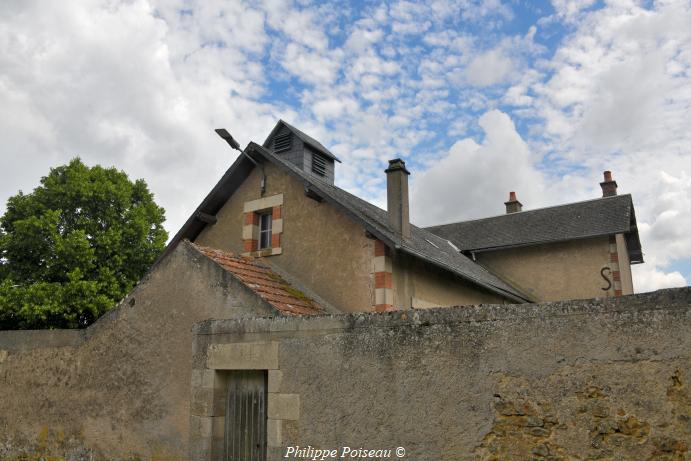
[321, 247]
[121, 388]
[421, 285]
[554, 271]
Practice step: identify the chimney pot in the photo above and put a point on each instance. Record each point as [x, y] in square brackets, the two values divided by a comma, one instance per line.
[609, 185]
[397, 197]
[513, 205]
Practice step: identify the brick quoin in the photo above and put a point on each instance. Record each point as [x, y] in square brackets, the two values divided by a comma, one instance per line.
[614, 257]
[383, 307]
[383, 280]
[276, 212]
[251, 218]
[250, 245]
[275, 240]
[379, 248]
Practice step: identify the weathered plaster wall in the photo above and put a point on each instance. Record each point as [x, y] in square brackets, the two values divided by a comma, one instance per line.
[601, 379]
[418, 284]
[319, 243]
[121, 388]
[554, 271]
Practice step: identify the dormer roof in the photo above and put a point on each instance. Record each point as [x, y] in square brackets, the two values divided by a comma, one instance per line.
[307, 139]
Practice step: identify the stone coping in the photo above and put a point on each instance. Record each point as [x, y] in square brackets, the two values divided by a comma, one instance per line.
[17, 340]
[667, 300]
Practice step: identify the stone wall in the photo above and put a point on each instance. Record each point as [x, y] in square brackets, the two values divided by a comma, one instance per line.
[593, 379]
[121, 388]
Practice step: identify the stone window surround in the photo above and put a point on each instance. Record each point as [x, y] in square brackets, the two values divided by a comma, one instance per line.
[250, 228]
[209, 394]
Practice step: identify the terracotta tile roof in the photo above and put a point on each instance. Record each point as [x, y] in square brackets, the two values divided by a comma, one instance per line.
[263, 281]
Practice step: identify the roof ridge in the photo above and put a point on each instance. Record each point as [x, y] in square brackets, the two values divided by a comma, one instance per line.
[523, 213]
[374, 219]
[307, 139]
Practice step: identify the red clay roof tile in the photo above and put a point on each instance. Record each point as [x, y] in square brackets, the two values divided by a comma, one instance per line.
[263, 281]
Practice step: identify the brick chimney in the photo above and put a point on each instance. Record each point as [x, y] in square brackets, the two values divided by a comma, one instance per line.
[609, 186]
[397, 197]
[513, 205]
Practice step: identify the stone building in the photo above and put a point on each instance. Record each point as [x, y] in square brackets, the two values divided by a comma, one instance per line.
[279, 202]
[275, 238]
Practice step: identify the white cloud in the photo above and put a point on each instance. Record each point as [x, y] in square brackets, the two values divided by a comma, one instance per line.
[115, 84]
[474, 180]
[301, 26]
[141, 84]
[570, 9]
[619, 98]
[649, 278]
[489, 68]
[331, 108]
[309, 66]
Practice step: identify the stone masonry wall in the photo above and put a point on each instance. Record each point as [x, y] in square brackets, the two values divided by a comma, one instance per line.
[120, 389]
[602, 379]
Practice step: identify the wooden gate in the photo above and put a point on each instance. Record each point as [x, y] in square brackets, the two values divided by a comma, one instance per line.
[245, 426]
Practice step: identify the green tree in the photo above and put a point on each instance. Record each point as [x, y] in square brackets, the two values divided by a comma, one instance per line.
[75, 246]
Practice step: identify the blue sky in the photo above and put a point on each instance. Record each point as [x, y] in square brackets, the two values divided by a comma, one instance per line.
[480, 97]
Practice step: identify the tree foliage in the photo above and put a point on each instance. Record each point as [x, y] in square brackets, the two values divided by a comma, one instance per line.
[75, 246]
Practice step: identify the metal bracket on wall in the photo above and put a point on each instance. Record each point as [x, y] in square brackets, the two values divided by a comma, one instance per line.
[313, 195]
[205, 217]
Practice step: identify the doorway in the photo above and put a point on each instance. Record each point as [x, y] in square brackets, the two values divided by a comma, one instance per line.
[245, 421]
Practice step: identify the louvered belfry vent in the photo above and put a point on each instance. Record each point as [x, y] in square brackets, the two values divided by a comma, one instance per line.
[318, 164]
[283, 142]
[306, 153]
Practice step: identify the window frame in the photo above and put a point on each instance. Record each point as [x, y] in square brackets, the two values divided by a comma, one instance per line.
[265, 229]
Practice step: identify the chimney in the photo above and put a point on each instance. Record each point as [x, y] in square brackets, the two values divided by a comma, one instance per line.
[609, 186]
[513, 205]
[397, 197]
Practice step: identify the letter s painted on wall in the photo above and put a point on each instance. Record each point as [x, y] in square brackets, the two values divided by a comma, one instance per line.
[605, 276]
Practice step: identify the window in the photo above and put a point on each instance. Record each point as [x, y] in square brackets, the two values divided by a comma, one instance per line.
[262, 226]
[318, 164]
[264, 231]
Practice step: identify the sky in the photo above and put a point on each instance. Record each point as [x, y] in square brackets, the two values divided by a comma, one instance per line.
[479, 97]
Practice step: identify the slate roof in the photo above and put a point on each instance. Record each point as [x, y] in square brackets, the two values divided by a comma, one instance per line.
[423, 244]
[591, 218]
[433, 245]
[307, 139]
[267, 284]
